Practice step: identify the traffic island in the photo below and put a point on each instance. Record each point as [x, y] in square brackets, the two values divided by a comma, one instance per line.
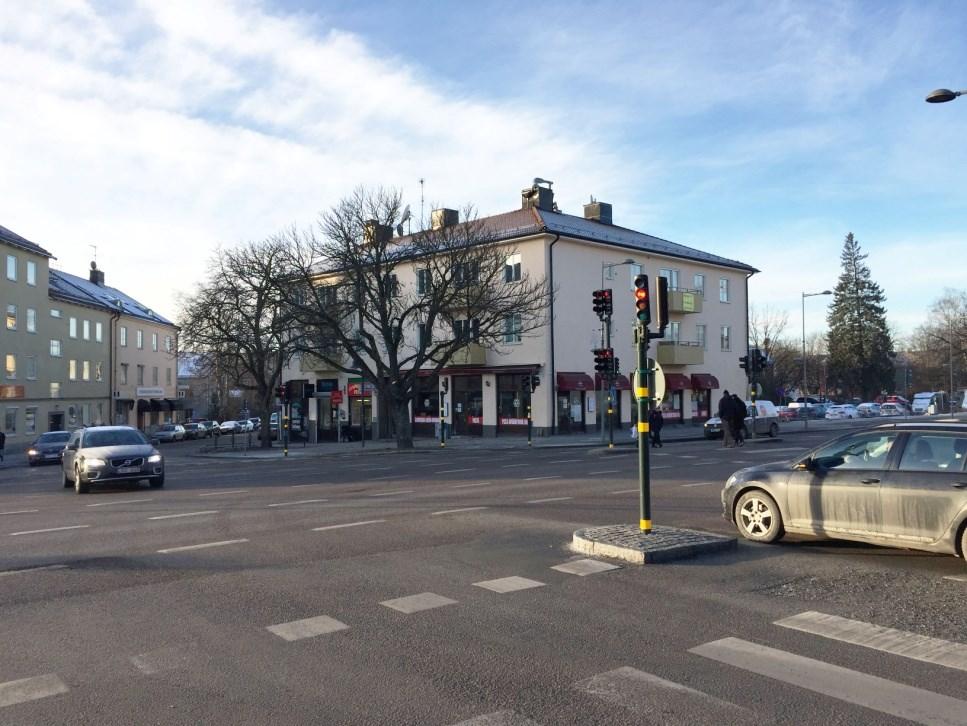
[628, 543]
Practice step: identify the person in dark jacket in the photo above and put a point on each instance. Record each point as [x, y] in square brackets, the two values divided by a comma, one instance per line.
[3, 443]
[738, 420]
[655, 421]
[725, 416]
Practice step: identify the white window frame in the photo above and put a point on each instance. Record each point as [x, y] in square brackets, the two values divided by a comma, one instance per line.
[698, 282]
[99, 332]
[31, 320]
[123, 336]
[154, 342]
[724, 290]
[674, 331]
[635, 271]
[55, 313]
[31, 273]
[72, 327]
[86, 330]
[12, 268]
[30, 420]
[725, 338]
[124, 374]
[671, 275]
[99, 371]
[86, 370]
[30, 367]
[72, 370]
[512, 269]
[56, 349]
[139, 339]
[701, 335]
[55, 389]
[10, 322]
[424, 281]
[512, 329]
[10, 366]
[7, 427]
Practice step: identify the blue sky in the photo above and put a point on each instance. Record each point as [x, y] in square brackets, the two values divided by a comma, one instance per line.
[760, 131]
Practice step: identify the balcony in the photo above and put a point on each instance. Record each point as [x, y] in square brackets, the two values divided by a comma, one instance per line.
[681, 300]
[680, 353]
[470, 355]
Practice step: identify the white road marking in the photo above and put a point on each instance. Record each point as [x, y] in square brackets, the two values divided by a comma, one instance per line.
[185, 514]
[372, 468]
[416, 603]
[700, 484]
[508, 584]
[455, 511]
[301, 501]
[740, 461]
[664, 466]
[584, 567]
[706, 463]
[878, 694]
[626, 491]
[565, 461]
[388, 476]
[513, 466]
[537, 478]
[688, 456]
[548, 499]
[30, 689]
[307, 628]
[206, 545]
[163, 659]
[606, 471]
[349, 524]
[956, 578]
[227, 491]
[121, 501]
[300, 486]
[390, 494]
[452, 471]
[32, 569]
[21, 511]
[476, 484]
[498, 718]
[888, 640]
[51, 529]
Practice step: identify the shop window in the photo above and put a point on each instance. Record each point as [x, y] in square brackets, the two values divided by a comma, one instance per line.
[10, 421]
[30, 421]
[54, 389]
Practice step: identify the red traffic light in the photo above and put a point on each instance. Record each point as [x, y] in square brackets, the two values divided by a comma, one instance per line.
[642, 302]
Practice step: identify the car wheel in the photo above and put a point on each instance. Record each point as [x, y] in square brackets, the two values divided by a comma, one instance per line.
[963, 542]
[157, 482]
[65, 479]
[773, 430]
[79, 486]
[757, 517]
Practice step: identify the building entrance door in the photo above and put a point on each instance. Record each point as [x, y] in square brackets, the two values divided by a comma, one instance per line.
[55, 421]
[468, 405]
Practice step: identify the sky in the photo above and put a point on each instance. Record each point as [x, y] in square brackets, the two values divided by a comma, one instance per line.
[158, 131]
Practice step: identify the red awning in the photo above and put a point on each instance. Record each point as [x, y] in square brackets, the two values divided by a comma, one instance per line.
[621, 383]
[701, 381]
[574, 382]
[677, 382]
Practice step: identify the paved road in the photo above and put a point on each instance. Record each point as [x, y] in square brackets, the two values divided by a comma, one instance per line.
[435, 588]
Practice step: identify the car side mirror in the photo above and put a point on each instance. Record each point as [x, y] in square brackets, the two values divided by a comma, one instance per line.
[806, 465]
[71, 447]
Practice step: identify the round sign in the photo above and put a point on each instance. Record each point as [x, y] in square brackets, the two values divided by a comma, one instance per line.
[658, 392]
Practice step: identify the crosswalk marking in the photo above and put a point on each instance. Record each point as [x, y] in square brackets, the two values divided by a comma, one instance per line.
[508, 584]
[498, 718]
[888, 640]
[878, 694]
[667, 701]
[584, 567]
[307, 628]
[30, 689]
[416, 603]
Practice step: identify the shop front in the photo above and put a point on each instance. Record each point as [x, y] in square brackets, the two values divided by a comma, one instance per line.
[621, 383]
[673, 405]
[360, 422]
[702, 386]
[426, 406]
[572, 389]
[467, 393]
[512, 401]
[327, 409]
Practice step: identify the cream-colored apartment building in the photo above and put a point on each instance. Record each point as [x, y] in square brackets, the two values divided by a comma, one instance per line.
[482, 392]
[74, 350]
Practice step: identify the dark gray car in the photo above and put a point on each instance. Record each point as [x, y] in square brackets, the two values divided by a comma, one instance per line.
[47, 447]
[110, 453]
[903, 485]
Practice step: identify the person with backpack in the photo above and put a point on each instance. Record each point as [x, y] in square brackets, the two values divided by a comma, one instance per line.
[725, 416]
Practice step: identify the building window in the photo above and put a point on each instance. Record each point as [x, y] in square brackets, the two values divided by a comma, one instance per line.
[466, 330]
[72, 327]
[512, 268]
[635, 271]
[139, 339]
[140, 375]
[11, 268]
[726, 338]
[154, 342]
[167, 376]
[31, 320]
[671, 276]
[423, 281]
[169, 343]
[466, 273]
[154, 375]
[124, 374]
[723, 290]
[425, 335]
[55, 313]
[698, 282]
[512, 328]
[99, 332]
[55, 349]
[54, 389]
[31, 272]
[86, 370]
[30, 367]
[30, 420]
[673, 330]
[182, 394]
[11, 365]
[99, 371]
[700, 335]
[123, 336]
[10, 421]
[87, 330]
[72, 369]
[11, 317]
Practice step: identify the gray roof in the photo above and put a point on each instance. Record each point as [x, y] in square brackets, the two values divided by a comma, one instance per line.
[77, 289]
[12, 238]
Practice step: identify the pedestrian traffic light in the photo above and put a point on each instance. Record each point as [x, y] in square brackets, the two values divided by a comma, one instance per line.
[661, 304]
[614, 367]
[642, 300]
[603, 358]
[744, 364]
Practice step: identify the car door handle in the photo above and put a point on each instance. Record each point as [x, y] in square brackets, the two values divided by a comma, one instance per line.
[959, 485]
[869, 481]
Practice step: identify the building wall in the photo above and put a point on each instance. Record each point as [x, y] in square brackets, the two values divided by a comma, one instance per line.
[158, 356]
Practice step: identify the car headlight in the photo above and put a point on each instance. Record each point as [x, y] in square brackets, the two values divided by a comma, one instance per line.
[94, 463]
[32, 452]
[154, 458]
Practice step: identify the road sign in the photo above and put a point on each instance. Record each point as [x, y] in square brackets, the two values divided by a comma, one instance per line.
[235, 393]
[659, 391]
[335, 398]
[516, 403]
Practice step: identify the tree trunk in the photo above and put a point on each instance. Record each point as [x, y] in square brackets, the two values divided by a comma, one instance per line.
[401, 420]
[265, 430]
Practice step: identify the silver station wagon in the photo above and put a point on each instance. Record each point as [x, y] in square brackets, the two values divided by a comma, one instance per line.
[903, 485]
[110, 453]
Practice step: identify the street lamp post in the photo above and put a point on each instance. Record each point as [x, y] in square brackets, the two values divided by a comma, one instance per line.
[943, 95]
[804, 383]
[606, 343]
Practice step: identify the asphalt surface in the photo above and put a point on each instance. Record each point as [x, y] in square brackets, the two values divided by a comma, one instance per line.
[370, 589]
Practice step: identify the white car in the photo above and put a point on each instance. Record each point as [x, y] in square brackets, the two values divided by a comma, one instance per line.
[868, 410]
[229, 427]
[893, 409]
[842, 410]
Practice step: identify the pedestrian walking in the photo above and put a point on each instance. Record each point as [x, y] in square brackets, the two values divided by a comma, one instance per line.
[3, 443]
[725, 417]
[655, 421]
[738, 413]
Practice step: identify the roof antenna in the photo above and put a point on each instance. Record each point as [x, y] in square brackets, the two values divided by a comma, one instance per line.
[422, 180]
[94, 247]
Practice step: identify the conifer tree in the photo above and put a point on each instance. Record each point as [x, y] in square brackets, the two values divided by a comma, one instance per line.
[860, 345]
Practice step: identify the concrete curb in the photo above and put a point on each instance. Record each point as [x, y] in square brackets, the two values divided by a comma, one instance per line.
[627, 543]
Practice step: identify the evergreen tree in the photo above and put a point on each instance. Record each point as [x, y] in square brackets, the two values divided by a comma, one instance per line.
[860, 345]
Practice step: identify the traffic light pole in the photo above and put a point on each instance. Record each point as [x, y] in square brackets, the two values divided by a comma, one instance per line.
[443, 439]
[643, 394]
[608, 380]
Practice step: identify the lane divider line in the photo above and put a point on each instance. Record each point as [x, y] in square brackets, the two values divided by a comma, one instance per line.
[627, 491]
[30, 689]
[121, 501]
[537, 478]
[185, 514]
[454, 471]
[32, 569]
[228, 491]
[606, 471]
[465, 486]
[49, 529]
[455, 511]
[390, 494]
[348, 524]
[206, 545]
[549, 499]
[301, 501]
[21, 511]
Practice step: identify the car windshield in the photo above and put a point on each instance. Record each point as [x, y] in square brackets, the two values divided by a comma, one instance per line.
[55, 437]
[117, 437]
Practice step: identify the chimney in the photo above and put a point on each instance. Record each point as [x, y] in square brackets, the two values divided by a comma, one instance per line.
[538, 196]
[598, 211]
[440, 218]
[376, 232]
[96, 276]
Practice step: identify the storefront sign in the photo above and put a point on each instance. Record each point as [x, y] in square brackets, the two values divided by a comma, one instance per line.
[327, 385]
[504, 421]
[12, 392]
[475, 420]
[149, 392]
[426, 419]
[335, 398]
[356, 387]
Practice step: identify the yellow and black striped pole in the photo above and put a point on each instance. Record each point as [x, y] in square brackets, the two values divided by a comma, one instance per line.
[643, 394]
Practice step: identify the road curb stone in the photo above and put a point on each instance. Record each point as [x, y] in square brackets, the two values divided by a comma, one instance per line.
[627, 543]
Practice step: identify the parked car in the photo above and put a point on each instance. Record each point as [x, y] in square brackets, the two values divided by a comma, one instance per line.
[929, 403]
[256, 423]
[194, 430]
[229, 427]
[815, 407]
[211, 428]
[893, 409]
[169, 432]
[245, 425]
[868, 410]
[899, 484]
[110, 453]
[766, 420]
[47, 447]
[842, 410]
[785, 413]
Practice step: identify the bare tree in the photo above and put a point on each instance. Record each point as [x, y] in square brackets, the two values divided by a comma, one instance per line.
[938, 348]
[239, 322]
[389, 309]
[767, 328]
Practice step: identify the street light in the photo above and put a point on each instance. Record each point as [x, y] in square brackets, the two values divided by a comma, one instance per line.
[606, 331]
[942, 95]
[804, 296]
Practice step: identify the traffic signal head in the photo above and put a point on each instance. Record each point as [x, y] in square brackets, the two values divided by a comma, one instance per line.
[744, 363]
[525, 383]
[642, 300]
[601, 303]
[603, 358]
[661, 304]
